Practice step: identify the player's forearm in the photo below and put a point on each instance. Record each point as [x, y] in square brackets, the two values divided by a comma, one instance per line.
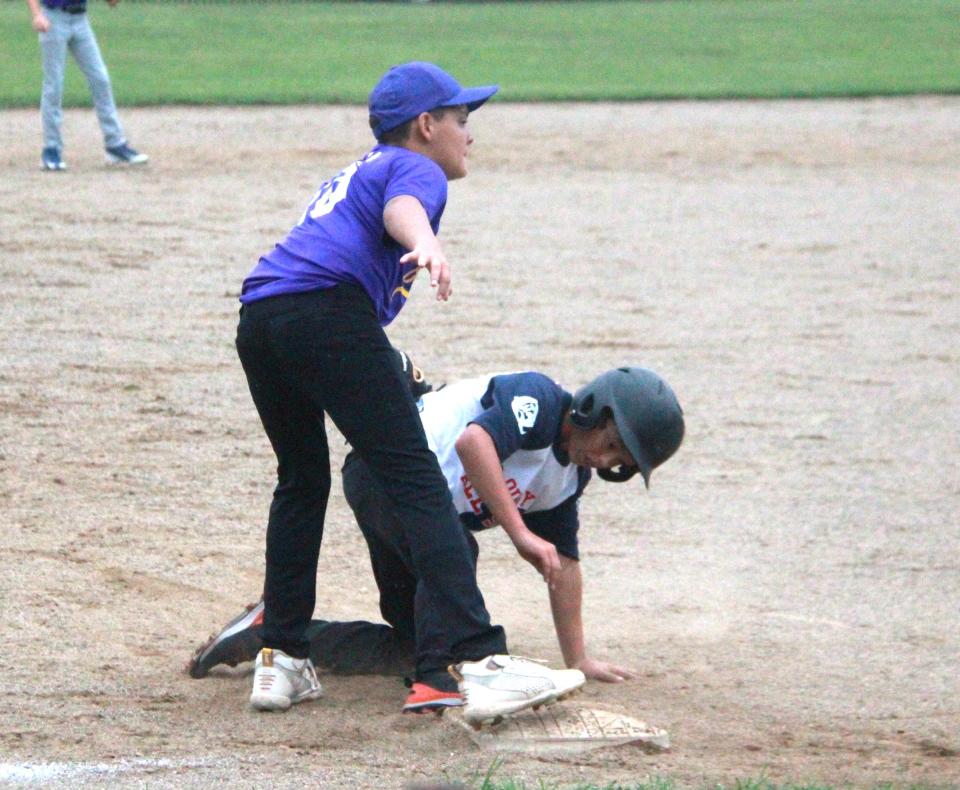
[34, 6]
[566, 605]
[478, 454]
[405, 219]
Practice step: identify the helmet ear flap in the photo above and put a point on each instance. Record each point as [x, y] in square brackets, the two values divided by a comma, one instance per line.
[583, 415]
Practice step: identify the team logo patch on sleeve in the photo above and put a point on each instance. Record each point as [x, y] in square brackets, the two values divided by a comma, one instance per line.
[525, 409]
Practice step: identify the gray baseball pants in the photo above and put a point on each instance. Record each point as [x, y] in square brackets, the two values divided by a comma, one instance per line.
[73, 32]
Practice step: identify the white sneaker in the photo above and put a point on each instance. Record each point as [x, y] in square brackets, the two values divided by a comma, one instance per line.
[123, 154]
[279, 681]
[500, 685]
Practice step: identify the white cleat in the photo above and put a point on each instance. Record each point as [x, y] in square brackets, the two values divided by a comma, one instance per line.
[499, 686]
[280, 681]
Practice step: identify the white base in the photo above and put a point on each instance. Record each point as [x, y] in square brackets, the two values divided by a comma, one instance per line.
[566, 729]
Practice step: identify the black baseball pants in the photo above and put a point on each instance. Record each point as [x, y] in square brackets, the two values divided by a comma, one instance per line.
[324, 352]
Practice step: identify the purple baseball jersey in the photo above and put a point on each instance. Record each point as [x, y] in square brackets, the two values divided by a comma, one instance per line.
[341, 237]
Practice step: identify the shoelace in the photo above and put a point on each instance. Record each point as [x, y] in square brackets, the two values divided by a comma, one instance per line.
[521, 660]
[312, 672]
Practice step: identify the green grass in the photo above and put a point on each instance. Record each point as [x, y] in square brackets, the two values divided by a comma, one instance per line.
[490, 780]
[167, 52]
[660, 783]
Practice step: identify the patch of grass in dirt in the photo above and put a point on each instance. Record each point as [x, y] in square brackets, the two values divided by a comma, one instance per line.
[660, 783]
[490, 781]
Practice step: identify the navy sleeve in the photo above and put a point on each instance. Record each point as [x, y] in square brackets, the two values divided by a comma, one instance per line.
[558, 525]
[522, 411]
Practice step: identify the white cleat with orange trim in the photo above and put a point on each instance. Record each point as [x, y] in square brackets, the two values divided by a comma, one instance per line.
[499, 686]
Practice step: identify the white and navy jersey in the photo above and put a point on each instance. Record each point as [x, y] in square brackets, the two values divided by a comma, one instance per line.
[523, 413]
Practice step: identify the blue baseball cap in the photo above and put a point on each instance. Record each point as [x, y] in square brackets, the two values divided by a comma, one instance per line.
[407, 90]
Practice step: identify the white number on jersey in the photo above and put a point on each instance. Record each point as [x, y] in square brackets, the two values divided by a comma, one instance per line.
[333, 191]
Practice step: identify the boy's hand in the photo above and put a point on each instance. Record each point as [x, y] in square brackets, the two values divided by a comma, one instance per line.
[406, 222]
[604, 671]
[40, 23]
[540, 553]
[429, 255]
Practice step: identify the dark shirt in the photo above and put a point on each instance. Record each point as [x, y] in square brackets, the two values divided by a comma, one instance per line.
[70, 6]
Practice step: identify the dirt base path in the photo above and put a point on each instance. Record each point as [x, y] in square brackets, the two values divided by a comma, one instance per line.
[788, 591]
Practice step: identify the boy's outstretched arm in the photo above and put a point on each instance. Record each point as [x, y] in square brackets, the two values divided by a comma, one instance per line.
[566, 596]
[407, 223]
[478, 454]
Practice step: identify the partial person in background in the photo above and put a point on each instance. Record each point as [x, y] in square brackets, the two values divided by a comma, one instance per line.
[62, 25]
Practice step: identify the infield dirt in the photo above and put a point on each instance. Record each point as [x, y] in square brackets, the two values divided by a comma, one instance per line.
[788, 590]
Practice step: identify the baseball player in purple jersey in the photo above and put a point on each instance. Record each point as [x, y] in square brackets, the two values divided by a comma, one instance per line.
[513, 448]
[311, 342]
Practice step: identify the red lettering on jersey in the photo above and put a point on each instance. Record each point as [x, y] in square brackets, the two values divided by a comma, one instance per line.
[519, 496]
[474, 500]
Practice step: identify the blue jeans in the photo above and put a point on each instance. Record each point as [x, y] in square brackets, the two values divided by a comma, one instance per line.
[73, 31]
[324, 352]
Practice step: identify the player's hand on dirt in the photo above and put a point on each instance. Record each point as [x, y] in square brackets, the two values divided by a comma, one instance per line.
[540, 553]
[429, 255]
[604, 671]
[40, 23]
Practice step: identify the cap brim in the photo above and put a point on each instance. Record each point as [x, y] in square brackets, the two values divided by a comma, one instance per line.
[472, 97]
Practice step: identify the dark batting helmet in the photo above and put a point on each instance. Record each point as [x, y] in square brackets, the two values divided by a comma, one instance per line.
[645, 411]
